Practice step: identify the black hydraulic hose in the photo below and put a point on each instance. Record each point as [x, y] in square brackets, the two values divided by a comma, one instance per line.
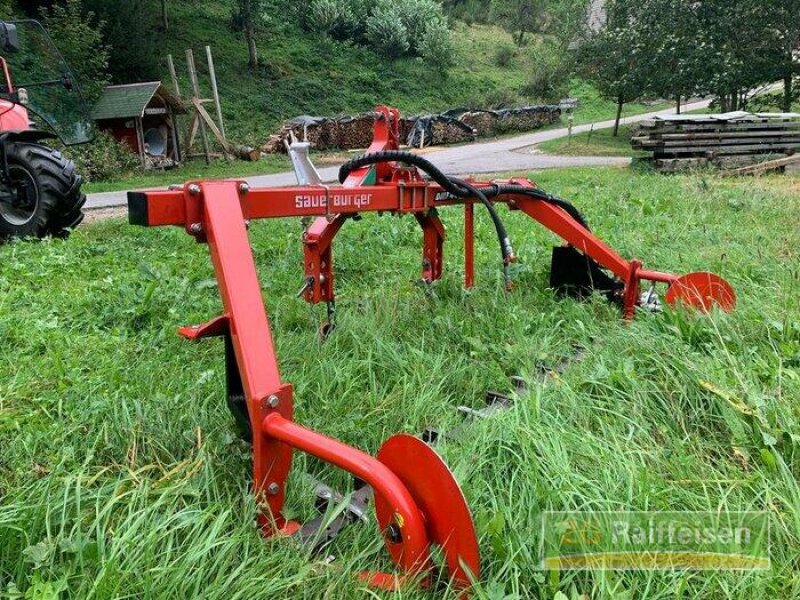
[462, 189]
[453, 186]
[538, 194]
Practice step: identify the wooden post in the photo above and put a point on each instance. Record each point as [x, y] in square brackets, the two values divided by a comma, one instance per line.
[196, 94]
[213, 74]
[140, 140]
[174, 75]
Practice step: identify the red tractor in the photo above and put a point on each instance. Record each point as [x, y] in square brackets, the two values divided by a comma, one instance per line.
[40, 191]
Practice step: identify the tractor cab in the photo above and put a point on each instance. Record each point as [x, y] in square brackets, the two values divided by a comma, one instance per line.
[37, 87]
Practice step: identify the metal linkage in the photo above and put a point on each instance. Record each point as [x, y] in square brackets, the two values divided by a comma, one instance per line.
[417, 500]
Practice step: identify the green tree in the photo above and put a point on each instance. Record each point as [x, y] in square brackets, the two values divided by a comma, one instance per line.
[521, 16]
[615, 58]
[78, 34]
[251, 14]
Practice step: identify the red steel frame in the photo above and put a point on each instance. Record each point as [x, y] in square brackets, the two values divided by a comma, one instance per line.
[217, 213]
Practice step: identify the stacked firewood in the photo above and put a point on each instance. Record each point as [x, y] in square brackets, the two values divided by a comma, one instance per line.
[453, 127]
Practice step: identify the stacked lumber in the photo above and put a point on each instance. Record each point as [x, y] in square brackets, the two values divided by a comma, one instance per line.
[452, 127]
[730, 140]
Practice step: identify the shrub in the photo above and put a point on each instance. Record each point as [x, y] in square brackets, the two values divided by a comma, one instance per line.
[436, 46]
[504, 55]
[386, 32]
[550, 78]
[334, 17]
[103, 159]
[419, 16]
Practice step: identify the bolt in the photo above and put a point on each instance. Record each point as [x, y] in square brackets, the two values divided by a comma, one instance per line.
[194, 189]
[273, 488]
[273, 401]
[243, 188]
[196, 227]
[394, 534]
[247, 223]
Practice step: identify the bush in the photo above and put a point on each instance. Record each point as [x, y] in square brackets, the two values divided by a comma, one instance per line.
[337, 18]
[504, 55]
[550, 79]
[386, 32]
[418, 17]
[103, 159]
[436, 46]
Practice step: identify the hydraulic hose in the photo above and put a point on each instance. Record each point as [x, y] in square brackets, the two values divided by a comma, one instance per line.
[462, 189]
[453, 186]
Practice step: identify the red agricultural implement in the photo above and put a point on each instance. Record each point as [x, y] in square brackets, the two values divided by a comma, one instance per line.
[417, 500]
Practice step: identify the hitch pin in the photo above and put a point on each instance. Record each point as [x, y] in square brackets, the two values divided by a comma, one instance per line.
[306, 286]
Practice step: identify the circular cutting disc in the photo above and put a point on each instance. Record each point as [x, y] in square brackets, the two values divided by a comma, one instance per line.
[447, 517]
[702, 291]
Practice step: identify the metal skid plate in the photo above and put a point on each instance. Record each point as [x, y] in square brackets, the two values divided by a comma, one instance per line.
[439, 497]
[701, 290]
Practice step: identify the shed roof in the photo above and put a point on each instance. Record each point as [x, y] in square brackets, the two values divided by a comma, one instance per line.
[131, 100]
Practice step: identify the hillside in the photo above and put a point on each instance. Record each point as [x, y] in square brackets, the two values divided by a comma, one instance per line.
[307, 73]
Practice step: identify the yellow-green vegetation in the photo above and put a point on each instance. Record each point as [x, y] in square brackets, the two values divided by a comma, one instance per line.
[122, 475]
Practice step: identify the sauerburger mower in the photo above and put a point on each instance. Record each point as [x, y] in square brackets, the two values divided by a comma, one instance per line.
[417, 500]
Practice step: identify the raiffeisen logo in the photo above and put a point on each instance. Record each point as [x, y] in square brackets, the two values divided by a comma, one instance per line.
[335, 201]
[656, 540]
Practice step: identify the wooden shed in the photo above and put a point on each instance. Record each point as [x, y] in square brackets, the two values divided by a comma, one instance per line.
[142, 115]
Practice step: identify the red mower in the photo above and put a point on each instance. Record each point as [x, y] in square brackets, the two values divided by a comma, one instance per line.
[417, 500]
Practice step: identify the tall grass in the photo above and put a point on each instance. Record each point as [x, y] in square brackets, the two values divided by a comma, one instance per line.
[122, 475]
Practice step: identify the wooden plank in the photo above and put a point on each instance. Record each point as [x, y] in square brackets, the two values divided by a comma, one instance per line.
[214, 89]
[174, 76]
[720, 135]
[726, 150]
[765, 143]
[196, 95]
[201, 110]
[763, 167]
[718, 127]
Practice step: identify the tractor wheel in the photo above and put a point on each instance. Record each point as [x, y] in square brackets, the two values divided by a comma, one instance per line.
[44, 196]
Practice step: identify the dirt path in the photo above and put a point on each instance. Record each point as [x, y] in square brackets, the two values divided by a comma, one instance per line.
[506, 154]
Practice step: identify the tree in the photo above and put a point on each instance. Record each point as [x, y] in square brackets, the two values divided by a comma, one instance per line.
[520, 16]
[250, 14]
[784, 22]
[615, 58]
[164, 15]
[78, 35]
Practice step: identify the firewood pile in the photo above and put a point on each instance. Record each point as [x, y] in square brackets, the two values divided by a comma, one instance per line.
[452, 127]
[729, 141]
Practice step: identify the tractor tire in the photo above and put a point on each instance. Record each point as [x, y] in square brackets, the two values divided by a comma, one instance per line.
[45, 199]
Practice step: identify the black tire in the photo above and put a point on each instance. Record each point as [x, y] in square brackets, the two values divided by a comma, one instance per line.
[45, 199]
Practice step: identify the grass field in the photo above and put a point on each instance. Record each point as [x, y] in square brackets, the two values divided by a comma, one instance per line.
[596, 143]
[121, 474]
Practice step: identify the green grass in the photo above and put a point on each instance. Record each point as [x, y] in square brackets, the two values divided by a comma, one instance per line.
[192, 170]
[600, 142]
[121, 475]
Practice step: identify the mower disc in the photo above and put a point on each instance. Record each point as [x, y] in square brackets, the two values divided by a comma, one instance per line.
[702, 290]
[434, 489]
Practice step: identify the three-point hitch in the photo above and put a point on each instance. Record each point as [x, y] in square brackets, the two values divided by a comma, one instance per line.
[417, 501]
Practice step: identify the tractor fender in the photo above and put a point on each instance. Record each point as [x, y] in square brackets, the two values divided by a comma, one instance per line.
[30, 136]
